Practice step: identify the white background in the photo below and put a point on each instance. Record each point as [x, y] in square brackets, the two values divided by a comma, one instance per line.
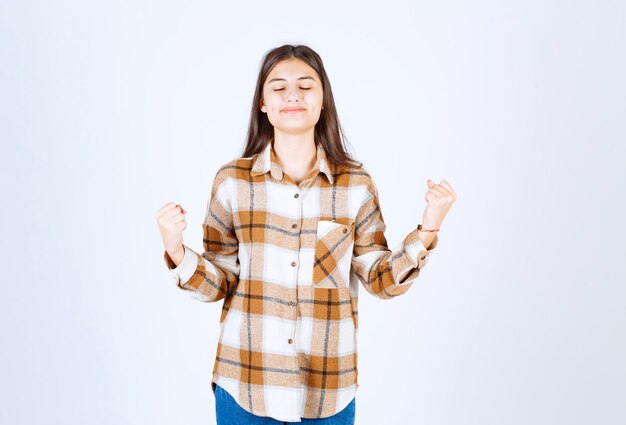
[108, 110]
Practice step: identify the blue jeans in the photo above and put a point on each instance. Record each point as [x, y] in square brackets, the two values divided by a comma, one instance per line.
[228, 412]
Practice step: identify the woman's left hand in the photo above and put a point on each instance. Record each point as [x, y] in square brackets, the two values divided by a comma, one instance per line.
[439, 199]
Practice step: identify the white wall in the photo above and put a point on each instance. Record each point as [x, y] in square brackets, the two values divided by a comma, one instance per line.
[111, 109]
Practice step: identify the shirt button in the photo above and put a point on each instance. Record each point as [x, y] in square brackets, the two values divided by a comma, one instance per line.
[345, 230]
[293, 226]
[290, 341]
[293, 264]
[291, 303]
[296, 195]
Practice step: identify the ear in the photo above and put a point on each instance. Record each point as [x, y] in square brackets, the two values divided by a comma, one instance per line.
[263, 108]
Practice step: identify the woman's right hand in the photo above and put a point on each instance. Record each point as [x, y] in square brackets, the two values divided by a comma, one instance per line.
[171, 220]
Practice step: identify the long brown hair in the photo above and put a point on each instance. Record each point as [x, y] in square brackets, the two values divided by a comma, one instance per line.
[328, 131]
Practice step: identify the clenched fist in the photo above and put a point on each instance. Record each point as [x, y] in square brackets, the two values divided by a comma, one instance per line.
[171, 220]
[439, 198]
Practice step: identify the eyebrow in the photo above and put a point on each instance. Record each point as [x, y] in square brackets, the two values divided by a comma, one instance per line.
[282, 79]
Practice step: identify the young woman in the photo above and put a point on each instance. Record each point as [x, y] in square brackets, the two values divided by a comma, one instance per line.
[292, 228]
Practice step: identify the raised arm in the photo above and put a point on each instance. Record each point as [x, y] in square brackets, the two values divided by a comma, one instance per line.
[210, 275]
[385, 273]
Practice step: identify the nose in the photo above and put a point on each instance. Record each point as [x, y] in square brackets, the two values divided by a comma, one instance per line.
[292, 95]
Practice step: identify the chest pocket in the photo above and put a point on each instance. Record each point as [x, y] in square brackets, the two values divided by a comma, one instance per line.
[334, 242]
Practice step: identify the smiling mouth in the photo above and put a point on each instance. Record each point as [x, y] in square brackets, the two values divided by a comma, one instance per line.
[292, 110]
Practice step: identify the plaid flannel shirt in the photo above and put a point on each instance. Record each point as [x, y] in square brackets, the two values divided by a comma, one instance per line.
[287, 260]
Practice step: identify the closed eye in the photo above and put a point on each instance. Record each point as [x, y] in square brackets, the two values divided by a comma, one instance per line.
[302, 88]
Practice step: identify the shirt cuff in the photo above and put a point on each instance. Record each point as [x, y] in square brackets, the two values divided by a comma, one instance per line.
[187, 267]
[418, 254]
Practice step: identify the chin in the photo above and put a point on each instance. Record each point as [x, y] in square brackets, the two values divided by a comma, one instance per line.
[293, 126]
[294, 129]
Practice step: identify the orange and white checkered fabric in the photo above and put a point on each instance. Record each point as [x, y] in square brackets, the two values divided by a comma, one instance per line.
[287, 260]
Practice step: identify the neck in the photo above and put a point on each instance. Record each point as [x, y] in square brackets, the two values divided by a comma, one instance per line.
[295, 151]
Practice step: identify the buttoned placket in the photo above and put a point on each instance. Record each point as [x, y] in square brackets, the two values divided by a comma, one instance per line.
[298, 199]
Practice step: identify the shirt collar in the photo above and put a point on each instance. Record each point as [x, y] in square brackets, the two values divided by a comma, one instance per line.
[266, 161]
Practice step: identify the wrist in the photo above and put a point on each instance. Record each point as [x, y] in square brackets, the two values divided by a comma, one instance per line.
[177, 255]
[426, 236]
[427, 228]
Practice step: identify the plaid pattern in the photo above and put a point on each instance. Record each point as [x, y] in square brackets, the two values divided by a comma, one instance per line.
[287, 260]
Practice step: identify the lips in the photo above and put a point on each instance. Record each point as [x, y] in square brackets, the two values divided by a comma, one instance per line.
[293, 110]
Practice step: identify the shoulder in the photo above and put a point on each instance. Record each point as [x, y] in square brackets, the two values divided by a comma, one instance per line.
[224, 172]
[225, 176]
[238, 168]
[358, 176]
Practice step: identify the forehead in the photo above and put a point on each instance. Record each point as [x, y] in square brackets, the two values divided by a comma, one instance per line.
[292, 69]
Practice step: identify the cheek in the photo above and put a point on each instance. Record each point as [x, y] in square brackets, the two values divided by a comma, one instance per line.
[317, 99]
[272, 103]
